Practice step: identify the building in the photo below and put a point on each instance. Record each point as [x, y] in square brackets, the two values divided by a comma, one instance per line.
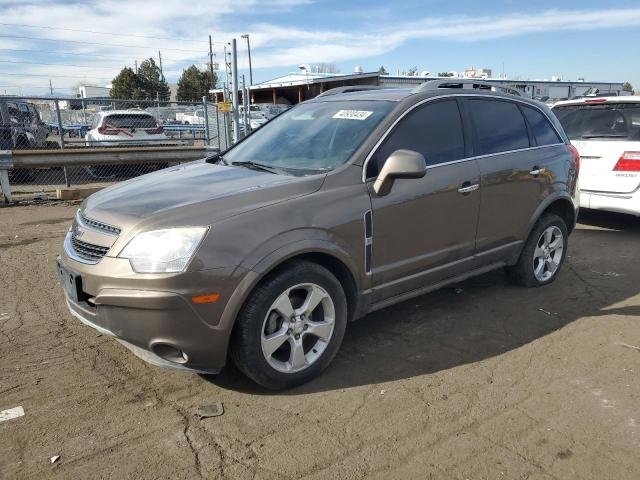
[91, 91]
[473, 72]
[299, 86]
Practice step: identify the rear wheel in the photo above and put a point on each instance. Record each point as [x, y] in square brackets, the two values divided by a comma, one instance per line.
[291, 326]
[543, 253]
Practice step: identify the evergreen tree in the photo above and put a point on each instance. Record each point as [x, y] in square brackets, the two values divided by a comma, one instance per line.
[383, 71]
[195, 83]
[152, 83]
[125, 84]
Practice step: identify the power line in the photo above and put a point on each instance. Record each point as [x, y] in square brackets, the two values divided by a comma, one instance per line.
[49, 75]
[62, 53]
[95, 43]
[108, 67]
[102, 33]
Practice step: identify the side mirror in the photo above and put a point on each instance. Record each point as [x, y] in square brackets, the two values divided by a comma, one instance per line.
[400, 164]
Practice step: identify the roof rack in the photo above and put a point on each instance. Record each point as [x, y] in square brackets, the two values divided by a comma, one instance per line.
[465, 83]
[350, 89]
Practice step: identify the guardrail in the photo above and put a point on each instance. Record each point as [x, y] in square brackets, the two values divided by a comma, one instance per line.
[37, 171]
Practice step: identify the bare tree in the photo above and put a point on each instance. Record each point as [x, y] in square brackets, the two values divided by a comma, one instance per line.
[326, 68]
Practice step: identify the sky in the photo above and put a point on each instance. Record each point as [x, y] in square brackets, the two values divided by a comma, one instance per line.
[89, 41]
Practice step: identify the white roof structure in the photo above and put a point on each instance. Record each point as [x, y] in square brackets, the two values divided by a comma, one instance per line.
[293, 79]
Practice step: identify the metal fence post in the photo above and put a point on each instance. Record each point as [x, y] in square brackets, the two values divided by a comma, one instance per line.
[61, 131]
[218, 127]
[6, 164]
[207, 137]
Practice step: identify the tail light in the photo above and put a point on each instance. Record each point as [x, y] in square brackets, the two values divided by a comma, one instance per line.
[628, 162]
[106, 129]
[576, 157]
[156, 131]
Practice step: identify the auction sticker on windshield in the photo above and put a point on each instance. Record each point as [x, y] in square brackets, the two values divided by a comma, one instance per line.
[353, 114]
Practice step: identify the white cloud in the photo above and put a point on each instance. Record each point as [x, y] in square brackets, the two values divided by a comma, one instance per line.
[148, 24]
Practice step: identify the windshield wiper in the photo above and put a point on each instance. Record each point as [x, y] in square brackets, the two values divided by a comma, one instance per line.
[260, 167]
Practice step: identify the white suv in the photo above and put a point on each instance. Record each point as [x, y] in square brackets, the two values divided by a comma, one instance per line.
[606, 132]
[124, 128]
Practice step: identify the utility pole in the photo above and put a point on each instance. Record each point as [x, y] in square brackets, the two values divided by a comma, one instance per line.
[246, 109]
[160, 59]
[50, 87]
[136, 63]
[246, 36]
[234, 90]
[213, 85]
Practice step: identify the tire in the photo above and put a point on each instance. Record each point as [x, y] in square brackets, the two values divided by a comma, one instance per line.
[539, 265]
[261, 325]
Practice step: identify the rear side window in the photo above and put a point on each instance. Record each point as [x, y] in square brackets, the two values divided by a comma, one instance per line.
[542, 131]
[499, 126]
[434, 130]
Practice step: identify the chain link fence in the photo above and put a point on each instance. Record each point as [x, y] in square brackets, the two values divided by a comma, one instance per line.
[58, 123]
[65, 125]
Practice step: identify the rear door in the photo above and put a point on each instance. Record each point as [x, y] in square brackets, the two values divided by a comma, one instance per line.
[607, 136]
[518, 154]
[424, 229]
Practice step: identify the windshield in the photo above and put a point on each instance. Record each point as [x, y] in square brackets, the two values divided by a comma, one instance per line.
[312, 137]
[614, 121]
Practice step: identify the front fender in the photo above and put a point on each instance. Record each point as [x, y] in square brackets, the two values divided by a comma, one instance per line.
[261, 262]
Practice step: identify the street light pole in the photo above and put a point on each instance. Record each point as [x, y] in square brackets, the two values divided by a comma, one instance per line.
[246, 36]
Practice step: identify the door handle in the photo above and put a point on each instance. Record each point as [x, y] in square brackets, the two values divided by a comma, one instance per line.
[537, 171]
[468, 188]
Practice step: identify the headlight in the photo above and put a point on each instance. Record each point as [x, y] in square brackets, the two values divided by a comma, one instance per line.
[163, 251]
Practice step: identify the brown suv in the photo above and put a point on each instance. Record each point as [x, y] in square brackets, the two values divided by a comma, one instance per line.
[345, 204]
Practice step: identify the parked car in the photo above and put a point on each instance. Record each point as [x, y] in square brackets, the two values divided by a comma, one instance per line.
[124, 128]
[21, 126]
[345, 204]
[195, 118]
[606, 132]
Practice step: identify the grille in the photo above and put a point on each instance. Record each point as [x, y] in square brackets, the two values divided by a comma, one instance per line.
[100, 226]
[88, 251]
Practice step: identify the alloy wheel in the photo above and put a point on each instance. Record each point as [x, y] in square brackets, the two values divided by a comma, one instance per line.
[548, 253]
[298, 328]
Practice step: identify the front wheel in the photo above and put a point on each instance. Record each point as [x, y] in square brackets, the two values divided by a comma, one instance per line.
[291, 326]
[543, 253]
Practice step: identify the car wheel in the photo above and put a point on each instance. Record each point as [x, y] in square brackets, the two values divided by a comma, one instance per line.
[290, 327]
[543, 253]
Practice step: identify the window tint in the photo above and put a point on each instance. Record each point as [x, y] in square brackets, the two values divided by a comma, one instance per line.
[130, 120]
[542, 131]
[499, 125]
[434, 130]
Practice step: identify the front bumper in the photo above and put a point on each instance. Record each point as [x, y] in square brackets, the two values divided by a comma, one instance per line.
[628, 203]
[153, 315]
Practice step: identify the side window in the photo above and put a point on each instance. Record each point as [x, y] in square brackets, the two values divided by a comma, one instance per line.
[434, 130]
[499, 126]
[14, 112]
[35, 117]
[542, 131]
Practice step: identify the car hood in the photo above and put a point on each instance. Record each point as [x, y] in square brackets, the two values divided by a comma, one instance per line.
[195, 193]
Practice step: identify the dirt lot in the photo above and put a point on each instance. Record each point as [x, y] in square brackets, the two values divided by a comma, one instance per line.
[487, 381]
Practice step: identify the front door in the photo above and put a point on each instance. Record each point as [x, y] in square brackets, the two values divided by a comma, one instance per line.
[424, 229]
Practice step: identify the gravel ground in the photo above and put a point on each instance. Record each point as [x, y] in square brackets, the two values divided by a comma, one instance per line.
[483, 380]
